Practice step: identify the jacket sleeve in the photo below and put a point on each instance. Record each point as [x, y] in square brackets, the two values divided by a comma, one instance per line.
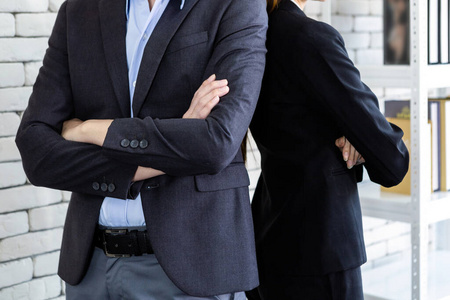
[193, 146]
[48, 159]
[333, 79]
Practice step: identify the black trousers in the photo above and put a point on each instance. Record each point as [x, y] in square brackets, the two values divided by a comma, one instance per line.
[344, 285]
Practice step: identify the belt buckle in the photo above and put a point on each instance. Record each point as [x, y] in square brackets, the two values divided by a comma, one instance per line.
[114, 232]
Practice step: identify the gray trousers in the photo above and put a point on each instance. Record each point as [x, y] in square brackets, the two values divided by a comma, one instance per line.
[136, 277]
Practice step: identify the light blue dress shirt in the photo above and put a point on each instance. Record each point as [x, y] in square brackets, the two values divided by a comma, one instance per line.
[140, 24]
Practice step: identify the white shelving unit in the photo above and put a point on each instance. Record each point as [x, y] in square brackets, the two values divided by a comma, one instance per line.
[422, 207]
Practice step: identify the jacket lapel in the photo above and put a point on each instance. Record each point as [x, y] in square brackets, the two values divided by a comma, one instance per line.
[113, 27]
[156, 46]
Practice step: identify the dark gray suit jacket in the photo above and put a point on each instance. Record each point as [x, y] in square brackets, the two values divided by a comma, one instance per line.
[198, 216]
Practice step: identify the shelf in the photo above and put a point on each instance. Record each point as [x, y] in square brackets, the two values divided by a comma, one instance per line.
[397, 207]
[377, 204]
[386, 76]
[400, 76]
[392, 281]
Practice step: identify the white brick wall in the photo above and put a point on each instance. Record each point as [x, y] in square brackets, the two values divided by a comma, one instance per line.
[31, 72]
[35, 24]
[22, 49]
[7, 25]
[37, 289]
[46, 264]
[353, 7]
[14, 99]
[23, 5]
[29, 244]
[8, 150]
[47, 217]
[11, 74]
[15, 272]
[31, 218]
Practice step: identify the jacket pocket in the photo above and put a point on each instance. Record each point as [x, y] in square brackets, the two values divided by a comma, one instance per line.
[233, 176]
[344, 181]
[186, 41]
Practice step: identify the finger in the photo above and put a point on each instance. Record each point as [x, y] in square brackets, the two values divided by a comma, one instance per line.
[346, 150]
[208, 107]
[211, 78]
[351, 157]
[340, 142]
[207, 87]
[219, 92]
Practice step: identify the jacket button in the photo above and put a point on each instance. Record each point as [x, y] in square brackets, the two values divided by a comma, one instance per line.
[134, 144]
[104, 187]
[143, 144]
[125, 143]
[96, 186]
[111, 188]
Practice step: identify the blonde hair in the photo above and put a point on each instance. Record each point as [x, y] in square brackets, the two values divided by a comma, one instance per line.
[272, 4]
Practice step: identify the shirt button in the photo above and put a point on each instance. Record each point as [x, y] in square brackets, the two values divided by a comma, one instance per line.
[125, 143]
[96, 186]
[143, 144]
[104, 187]
[134, 83]
[134, 144]
[111, 188]
[145, 36]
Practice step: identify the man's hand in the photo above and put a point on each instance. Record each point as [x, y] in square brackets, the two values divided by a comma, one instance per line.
[349, 153]
[206, 97]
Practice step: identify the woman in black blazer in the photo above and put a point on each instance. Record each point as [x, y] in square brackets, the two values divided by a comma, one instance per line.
[306, 208]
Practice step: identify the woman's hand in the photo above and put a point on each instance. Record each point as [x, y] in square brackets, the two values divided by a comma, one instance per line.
[206, 97]
[349, 153]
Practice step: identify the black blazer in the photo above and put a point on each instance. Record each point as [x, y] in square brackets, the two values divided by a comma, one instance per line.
[198, 216]
[306, 207]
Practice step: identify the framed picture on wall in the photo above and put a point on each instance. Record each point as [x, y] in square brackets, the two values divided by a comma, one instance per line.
[396, 32]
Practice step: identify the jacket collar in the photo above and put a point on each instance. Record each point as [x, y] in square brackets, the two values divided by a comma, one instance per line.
[113, 26]
[156, 47]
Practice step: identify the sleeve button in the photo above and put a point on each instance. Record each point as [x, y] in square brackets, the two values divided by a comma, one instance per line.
[134, 144]
[143, 144]
[125, 143]
[104, 187]
[96, 186]
[111, 188]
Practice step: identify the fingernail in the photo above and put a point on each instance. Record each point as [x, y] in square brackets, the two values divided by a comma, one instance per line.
[345, 156]
[351, 164]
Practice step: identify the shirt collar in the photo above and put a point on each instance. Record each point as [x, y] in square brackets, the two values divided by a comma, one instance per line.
[127, 8]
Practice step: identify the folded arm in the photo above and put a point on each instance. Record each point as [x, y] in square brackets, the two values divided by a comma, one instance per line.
[94, 131]
[355, 108]
[181, 147]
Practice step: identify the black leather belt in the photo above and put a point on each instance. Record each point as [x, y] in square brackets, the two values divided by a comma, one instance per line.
[123, 242]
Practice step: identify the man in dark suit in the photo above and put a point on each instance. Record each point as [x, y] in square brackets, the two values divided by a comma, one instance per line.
[307, 214]
[194, 222]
